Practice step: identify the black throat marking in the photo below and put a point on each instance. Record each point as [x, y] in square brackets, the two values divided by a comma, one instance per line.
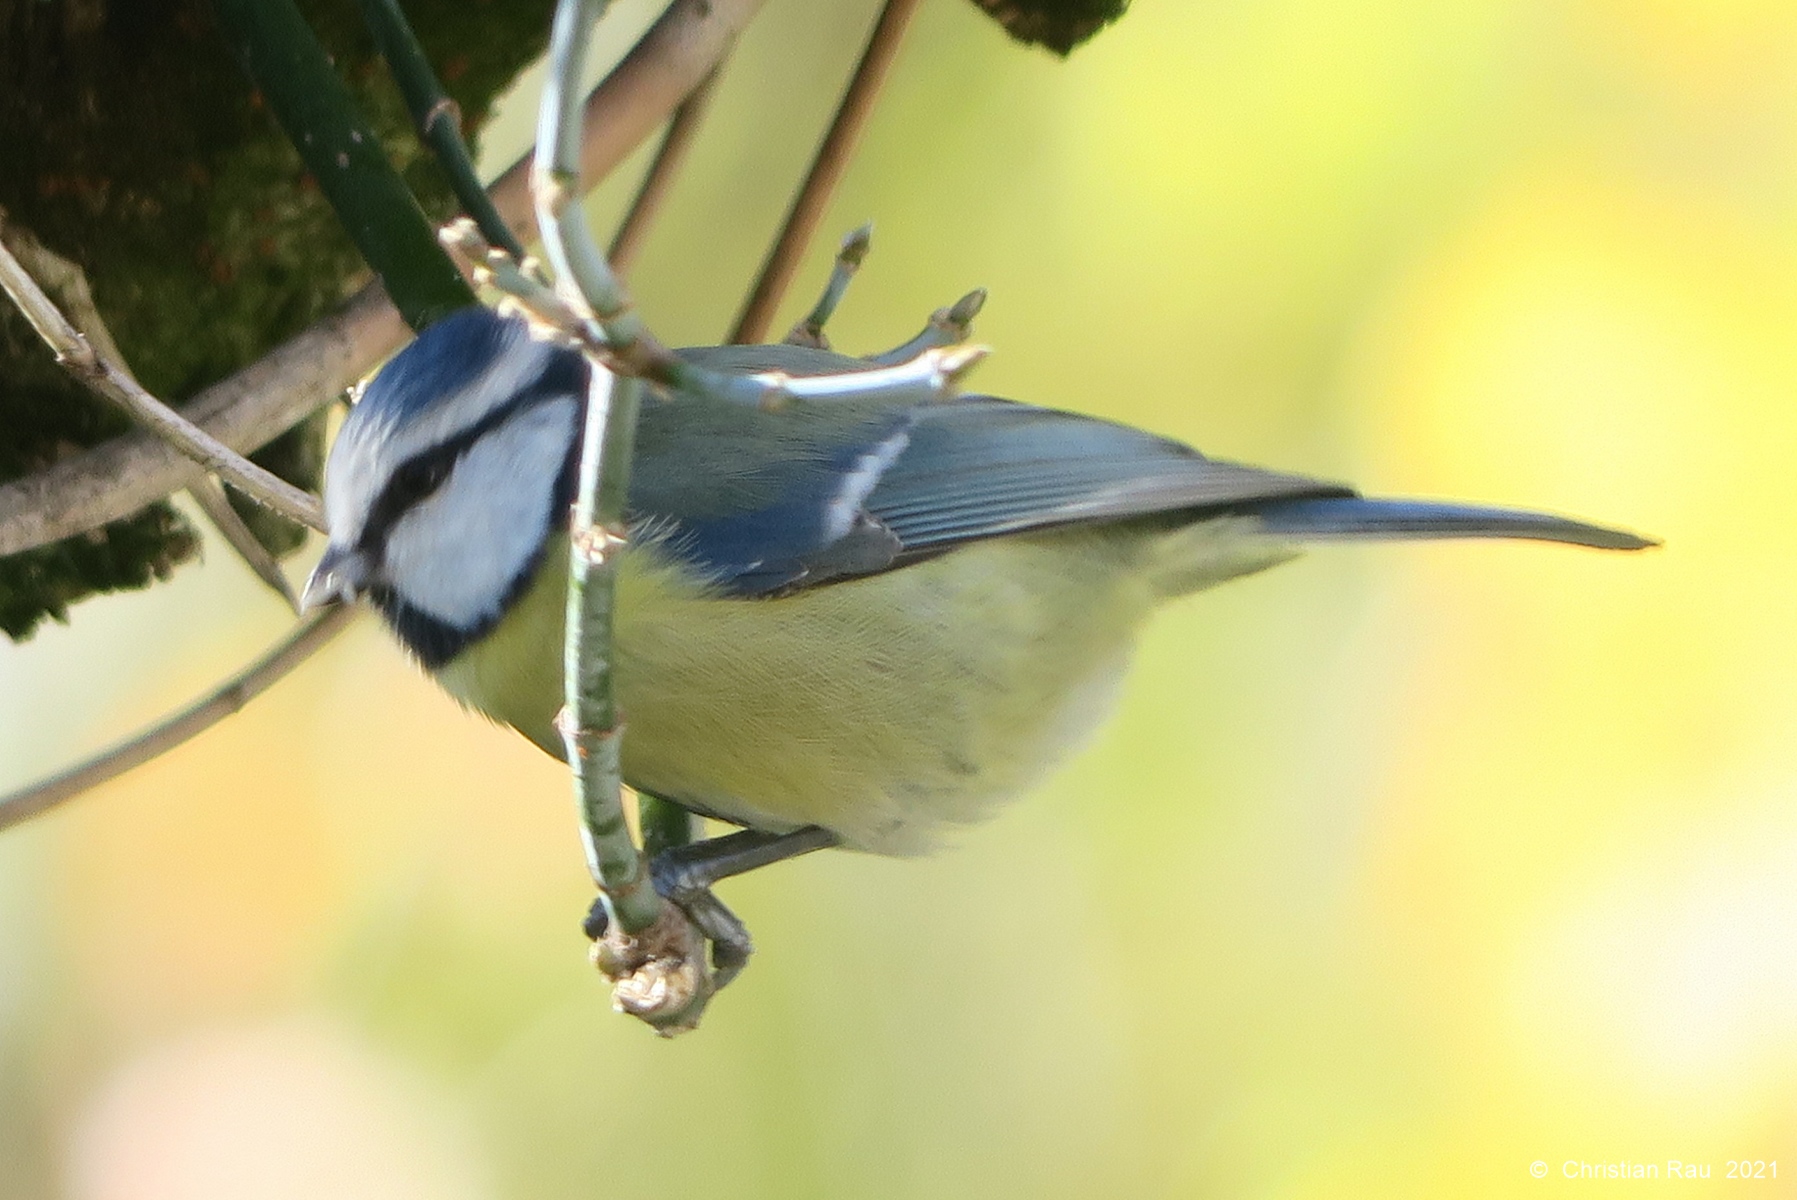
[434, 641]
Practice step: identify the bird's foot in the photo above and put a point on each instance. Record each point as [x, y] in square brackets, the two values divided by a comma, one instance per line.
[683, 876]
[687, 884]
[658, 975]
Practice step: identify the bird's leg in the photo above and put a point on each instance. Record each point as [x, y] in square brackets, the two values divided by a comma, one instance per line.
[684, 875]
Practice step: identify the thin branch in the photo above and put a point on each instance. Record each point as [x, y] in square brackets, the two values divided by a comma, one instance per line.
[685, 44]
[66, 283]
[591, 725]
[265, 399]
[827, 169]
[933, 375]
[306, 639]
[210, 496]
[113, 382]
[670, 156]
[810, 331]
[650, 951]
[946, 327]
[435, 116]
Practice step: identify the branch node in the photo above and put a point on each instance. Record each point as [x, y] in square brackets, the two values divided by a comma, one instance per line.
[595, 545]
[658, 975]
[959, 317]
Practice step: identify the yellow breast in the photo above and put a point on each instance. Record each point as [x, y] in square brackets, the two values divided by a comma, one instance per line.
[881, 708]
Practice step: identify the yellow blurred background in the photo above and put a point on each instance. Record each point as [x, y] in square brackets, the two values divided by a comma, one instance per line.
[1400, 870]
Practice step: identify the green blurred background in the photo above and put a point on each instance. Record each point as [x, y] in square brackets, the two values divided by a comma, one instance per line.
[1400, 868]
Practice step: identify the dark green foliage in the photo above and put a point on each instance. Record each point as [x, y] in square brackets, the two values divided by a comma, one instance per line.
[132, 143]
[344, 155]
[1059, 25]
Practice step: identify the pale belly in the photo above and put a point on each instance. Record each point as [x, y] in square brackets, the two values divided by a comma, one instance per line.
[883, 709]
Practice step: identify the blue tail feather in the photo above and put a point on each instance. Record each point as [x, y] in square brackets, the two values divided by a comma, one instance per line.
[1356, 517]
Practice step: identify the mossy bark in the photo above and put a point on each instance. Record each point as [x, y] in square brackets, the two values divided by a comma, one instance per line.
[1060, 25]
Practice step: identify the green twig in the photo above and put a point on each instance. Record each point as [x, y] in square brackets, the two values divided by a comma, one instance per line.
[286, 62]
[650, 949]
[827, 167]
[810, 331]
[946, 327]
[591, 728]
[436, 116]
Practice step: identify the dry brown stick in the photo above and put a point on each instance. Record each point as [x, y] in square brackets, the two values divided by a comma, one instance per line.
[670, 156]
[113, 382]
[67, 285]
[209, 495]
[306, 639]
[246, 411]
[827, 168]
[265, 399]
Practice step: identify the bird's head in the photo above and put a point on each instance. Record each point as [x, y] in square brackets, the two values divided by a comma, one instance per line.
[448, 479]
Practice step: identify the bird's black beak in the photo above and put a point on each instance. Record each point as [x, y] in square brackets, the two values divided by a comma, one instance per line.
[341, 575]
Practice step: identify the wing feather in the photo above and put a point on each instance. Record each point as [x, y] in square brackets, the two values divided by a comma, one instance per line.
[983, 468]
[772, 513]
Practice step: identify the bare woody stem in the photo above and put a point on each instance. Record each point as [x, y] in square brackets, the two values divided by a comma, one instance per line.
[591, 729]
[591, 726]
[670, 156]
[66, 285]
[826, 172]
[112, 382]
[849, 257]
[306, 639]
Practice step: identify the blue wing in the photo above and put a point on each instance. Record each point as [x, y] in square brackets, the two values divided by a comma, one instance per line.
[757, 510]
[982, 467]
[767, 502]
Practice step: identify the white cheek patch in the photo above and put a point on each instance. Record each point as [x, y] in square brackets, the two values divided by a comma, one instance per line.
[367, 454]
[456, 555]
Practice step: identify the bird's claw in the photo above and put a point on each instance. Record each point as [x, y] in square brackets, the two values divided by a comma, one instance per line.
[658, 975]
[681, 883]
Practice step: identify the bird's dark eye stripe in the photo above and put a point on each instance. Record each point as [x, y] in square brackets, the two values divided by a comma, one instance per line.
[415, 480]
[429, 469]
[423, 475]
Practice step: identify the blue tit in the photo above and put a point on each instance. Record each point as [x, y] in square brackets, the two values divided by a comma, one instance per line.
[846, 622]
